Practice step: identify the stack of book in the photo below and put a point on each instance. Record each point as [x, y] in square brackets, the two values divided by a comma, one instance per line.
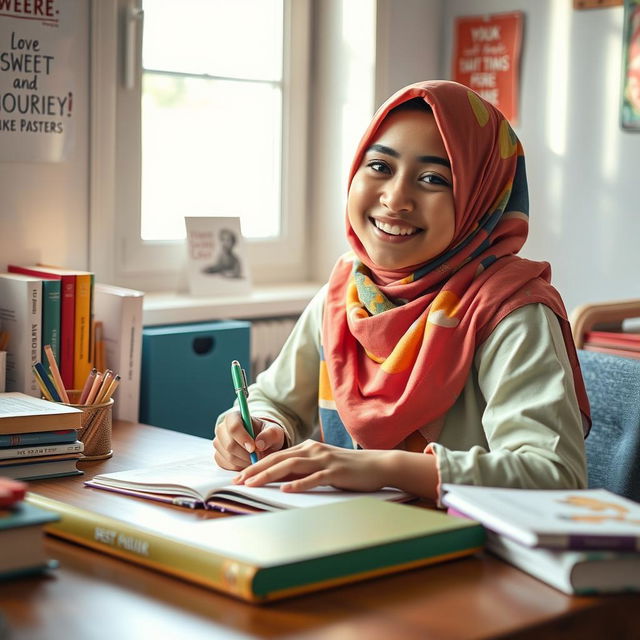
[21, 532]
[580, 542]
[50, 306]
[38, 438]
[617, 343]
[86, 324]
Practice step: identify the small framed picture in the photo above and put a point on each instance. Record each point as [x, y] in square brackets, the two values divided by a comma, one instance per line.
[630, 99]
[217, 258]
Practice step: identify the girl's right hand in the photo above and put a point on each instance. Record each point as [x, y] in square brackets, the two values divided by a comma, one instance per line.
[233, 444]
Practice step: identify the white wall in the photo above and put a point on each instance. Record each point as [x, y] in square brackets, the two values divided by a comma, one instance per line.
[409, 44]
[342, 101]
[44, 206]
[363, 51]
[582, 168]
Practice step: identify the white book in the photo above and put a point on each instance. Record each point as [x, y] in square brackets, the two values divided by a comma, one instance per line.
[199, 482]
[573, 572]
[578, 519]
[120, 311]
[21, 318]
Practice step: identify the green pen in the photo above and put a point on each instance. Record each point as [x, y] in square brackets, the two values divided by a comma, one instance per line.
[239, 378]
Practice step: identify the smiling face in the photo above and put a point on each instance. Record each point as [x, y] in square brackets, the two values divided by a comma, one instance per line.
[400, 202]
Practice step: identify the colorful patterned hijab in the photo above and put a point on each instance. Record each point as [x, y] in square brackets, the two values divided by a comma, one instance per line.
[397, 355]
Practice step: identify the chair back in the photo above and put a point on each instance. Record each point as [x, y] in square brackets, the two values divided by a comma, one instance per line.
[607, 316]
[613, 445]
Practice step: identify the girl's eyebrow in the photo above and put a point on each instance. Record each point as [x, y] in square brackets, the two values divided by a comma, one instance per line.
[380, 148]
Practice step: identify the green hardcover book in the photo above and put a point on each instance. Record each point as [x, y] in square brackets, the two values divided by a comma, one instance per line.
[50, 319]
[275, 555]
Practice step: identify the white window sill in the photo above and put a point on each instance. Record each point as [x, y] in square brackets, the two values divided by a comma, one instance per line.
[262, 302]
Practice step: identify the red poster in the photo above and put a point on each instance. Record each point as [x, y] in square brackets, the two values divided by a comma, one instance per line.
[486, 58]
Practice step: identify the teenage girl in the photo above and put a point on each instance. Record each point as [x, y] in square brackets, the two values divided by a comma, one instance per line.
[434, 353]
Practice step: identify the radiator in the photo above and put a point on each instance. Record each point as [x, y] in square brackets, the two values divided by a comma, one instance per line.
[267, 337]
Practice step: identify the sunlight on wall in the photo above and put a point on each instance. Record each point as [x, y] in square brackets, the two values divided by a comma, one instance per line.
[610, 149]
[558, 74]
[611, 107]
[359, 46]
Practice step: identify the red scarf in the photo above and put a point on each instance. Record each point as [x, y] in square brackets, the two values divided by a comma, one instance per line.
[394, 369]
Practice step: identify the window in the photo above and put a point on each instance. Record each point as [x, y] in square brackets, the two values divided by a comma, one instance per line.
[210, 119]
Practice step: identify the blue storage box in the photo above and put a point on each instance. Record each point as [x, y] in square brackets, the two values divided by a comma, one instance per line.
[186, 373]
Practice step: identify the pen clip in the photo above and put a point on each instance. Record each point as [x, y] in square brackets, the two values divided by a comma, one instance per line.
[241, 379]
[244, 383]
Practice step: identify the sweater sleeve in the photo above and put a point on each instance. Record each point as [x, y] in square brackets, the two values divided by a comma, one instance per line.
[287, 392]
[531, 420]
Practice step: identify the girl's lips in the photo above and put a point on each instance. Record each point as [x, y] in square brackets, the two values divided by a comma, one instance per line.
[391, 237]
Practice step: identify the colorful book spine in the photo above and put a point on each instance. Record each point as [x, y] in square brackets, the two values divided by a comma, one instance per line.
[21, 318]
[50, 319]
[67, 320]
[614, 339]
[613, 351]
[67, 315]
[43, 437]
[82, 324]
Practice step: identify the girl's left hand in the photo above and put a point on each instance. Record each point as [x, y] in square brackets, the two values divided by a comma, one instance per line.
[314, 463]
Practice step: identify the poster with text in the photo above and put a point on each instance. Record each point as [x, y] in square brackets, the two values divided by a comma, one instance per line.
[486, 58]
[217, 262]
[630, 103]
[38, 48]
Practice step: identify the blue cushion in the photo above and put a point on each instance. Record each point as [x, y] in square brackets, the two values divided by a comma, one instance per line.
[613, 445]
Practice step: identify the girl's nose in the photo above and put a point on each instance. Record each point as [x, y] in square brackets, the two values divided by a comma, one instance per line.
[396, 195]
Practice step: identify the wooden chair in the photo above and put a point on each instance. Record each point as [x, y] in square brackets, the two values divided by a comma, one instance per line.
[613, 387]
[606, 316]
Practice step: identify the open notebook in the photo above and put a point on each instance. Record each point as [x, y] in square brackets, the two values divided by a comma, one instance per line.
[199, 482]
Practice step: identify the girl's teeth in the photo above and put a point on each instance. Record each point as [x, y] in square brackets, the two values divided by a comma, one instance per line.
[393, 229]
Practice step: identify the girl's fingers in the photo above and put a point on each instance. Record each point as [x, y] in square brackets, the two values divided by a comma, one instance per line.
[307, 483]
[229, 461]
[232, 435]
[229, 454]
[224, 463]
[270, 438]
[275, 471]
[225, 444]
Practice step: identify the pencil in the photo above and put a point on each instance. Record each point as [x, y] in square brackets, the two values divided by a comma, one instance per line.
[55, 372]
[94, 388]
[106, 381]
[47, 387]
[87, 385]
[112, 388]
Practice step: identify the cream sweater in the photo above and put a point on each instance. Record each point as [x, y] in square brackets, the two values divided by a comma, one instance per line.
[515, 424]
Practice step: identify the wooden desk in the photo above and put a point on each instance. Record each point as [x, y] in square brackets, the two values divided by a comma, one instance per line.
[93, 596]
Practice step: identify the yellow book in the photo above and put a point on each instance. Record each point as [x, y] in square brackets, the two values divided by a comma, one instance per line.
[83, 312]
[268, 556]
[82, 345]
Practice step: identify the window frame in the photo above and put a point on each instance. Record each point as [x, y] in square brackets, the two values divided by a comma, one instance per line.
[116, 251]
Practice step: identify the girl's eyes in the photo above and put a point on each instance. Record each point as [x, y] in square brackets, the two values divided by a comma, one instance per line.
[430, 178]
[379, 167]
[434, 178]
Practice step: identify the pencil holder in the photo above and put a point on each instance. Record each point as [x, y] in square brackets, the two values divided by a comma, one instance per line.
[95, 430]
